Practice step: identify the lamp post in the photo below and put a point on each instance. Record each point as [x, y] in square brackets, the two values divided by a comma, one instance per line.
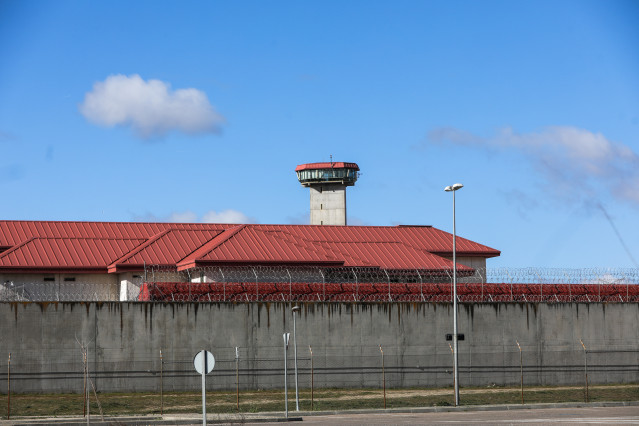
[296, 309]
[453, 189]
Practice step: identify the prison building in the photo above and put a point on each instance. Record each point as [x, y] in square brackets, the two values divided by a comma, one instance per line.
[114, 258]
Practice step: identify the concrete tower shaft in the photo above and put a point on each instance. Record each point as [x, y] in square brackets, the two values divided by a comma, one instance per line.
[327, 183]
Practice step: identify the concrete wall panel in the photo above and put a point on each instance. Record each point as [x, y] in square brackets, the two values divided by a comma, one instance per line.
[125, 339]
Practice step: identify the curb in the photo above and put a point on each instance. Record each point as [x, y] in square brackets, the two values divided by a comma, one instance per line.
[275, 417]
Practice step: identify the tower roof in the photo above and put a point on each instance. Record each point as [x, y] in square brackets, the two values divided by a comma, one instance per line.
[332, 165]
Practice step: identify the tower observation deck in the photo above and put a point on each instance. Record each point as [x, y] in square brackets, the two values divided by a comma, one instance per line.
[327, 183]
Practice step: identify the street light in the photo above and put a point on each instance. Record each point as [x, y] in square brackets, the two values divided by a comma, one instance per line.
[296, 309]
[452, 189]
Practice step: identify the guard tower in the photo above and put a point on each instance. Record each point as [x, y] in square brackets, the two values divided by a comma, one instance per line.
[328, 182]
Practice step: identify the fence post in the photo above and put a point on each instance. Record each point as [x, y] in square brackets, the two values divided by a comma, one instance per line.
[257, 291]
[521, 371]
[323, 286]
[585, 368]
[237, 377]
[383, 375]
[161, 383]
[312, 387]
[223, 284]
[84, 389]
[390, 299]
[9, 388]
[356, 284]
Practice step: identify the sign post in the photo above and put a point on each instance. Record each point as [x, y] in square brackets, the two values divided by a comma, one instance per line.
[204, 363]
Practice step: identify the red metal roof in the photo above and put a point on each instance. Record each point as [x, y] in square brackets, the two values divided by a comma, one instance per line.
[45, 254]
[315, 166]
[122, 246]
[255, 244]
[167, 249]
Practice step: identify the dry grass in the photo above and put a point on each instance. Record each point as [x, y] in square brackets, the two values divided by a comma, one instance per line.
[324, 399]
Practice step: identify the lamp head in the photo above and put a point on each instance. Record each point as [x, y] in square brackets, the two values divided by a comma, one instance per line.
[296, 308]
[454, 187]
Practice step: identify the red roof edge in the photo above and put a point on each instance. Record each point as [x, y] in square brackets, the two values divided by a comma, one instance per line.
[334, 165]
[136, 267]
[199, 263]
[55, 270]
[483, 254]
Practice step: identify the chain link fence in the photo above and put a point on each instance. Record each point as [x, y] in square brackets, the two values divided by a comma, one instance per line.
[264, 283]
[369, 376]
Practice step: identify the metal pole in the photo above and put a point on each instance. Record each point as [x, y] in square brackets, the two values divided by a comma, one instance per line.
[285, 374]
[297, 397]
[383, 375]
[452, 352]
[521, 371]
[585, 368]
[204, 368]
[455, 346]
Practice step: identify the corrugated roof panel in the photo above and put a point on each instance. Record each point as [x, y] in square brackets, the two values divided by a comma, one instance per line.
[13, 232]
[191, 244]
[167, 248]
[84, 253]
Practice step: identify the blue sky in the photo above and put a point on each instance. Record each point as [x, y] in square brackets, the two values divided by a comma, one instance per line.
[200, 111]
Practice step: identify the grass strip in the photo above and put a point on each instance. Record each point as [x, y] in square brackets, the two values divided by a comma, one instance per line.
[324, 399]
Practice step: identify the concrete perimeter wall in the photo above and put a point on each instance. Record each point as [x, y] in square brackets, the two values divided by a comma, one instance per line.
[125, 339]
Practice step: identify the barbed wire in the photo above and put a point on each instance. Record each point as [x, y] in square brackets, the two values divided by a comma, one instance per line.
[281, 283]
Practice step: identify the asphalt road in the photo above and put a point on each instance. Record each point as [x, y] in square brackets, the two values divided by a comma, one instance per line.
[566, 416]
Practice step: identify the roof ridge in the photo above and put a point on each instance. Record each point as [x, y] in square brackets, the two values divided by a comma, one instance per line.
[138, 248]
[16, 247]
[209, 246]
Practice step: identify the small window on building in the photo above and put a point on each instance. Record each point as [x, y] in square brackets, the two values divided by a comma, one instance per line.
[49, 279]
[137, 276]
[321, 206]
[69, 279]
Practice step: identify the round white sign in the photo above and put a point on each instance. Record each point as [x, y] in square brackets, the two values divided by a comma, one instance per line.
[204, 361]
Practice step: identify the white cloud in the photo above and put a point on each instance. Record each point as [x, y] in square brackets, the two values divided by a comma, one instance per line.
[150, 107]
[182, 217]
[584, 162]
[226, 216]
